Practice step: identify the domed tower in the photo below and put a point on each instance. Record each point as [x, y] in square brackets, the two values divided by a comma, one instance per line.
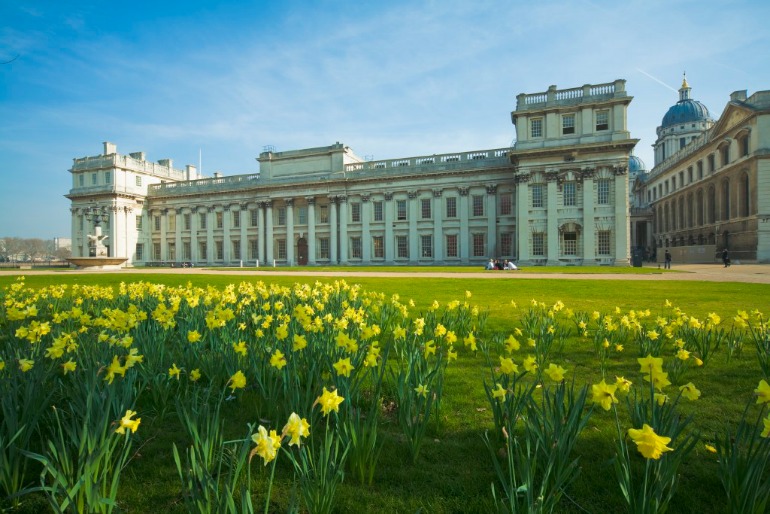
[683, 122]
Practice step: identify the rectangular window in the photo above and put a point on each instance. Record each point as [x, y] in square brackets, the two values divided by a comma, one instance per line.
[426, 246]
[156, 223]
[220, 219]
[323, 214]
[689, 175]
[506, 244]
[171, 251]
[570, 243]
[538, 244]
[81, 180]
[451, 207]
[451, 245]
[378, 245]
[479, 248]
[568, 124]
[187, 221]
[254, 217]
[725, 155]
[253, 252]
[355, 212]
[107, 177]
[602, 120]
[699, 168]
[425, 208]
[536, 127]
[744, 142]
[478, 205]
[94, 179]
[400, 210]
[203, 251]
[156, 251]
[711, 163]
[402, 247]
[202, 220]
[139, 252]
[568, 194]
[281, 216]
[302, 214]
[171, 222]
[139, 222]
[281, 247]
[219, 247]
[355, 247]
[506, 204]
[186, 250]
[681, 179]
[138, 181]
[323, 248]
[236, 250]
[236, 219]
[537, 195]
[377, 206]
[603, 192]
[603, 242]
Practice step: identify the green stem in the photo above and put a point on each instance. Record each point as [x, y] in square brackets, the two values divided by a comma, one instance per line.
[270, 485]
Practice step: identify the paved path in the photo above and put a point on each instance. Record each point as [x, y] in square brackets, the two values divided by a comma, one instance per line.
[752, 273]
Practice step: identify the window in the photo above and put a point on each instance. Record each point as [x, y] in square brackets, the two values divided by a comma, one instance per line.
[236, 250]
[171, 222]
[569, 243]
[538, 244]
[139, 222]
[203, 251]
[568, 194]
[506, 244]
[187, 221]
[682, 142]
[107, 177]
[219, 248]
[323, 214]
[172, 251]
[94, 179]
[451, 245]
[689, 175]
[378, 244]
[323, 248]
[451, 207]
[506, 204]
[186, 250]
[711, 163]
[220, 219]
[699, 168]
[537, 195]
[568, 124]
[402, 247]
[156, 251]
[355, 212]
[377, 206]
[426, 246]
[253, 252]
[725, 152]
[302, 211]
[156, 222]
[281, 216]
[355, 247]
[81, 180]
[281, 247]
[254, 217]
[602, 120]
[425, 210]
[603, 192]
[478, 205]
[202, 219]
[236, 219]
[400, 210]
[536, 127]
[603, 242]
[479, 248]
[139, 252]
[744, 142]
[138, 181]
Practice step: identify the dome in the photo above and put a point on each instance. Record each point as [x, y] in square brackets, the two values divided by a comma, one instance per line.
[685, 111]
[635, 164]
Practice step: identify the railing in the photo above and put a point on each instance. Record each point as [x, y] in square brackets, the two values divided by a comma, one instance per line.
[696, 144]
[570, 96]
[105, 188]
[474, 159]
[206, 184]
[129, 163]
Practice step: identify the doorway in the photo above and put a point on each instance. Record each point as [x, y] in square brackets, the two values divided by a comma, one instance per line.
[302, 251]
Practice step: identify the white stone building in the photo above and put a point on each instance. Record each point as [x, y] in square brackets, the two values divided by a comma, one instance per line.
[558, 197]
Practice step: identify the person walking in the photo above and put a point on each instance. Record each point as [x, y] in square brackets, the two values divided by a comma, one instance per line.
[725, 257]
[667, 260]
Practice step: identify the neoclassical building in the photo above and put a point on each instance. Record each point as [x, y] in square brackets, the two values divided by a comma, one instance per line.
[710, 186]
[559, 196]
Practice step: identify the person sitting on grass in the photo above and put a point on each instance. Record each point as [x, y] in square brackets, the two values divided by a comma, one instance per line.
[490, 265]
[509, 265]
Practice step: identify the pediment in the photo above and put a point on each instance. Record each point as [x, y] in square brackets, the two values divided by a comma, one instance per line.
[733, 115]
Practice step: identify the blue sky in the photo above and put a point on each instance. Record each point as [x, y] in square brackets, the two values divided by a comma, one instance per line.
[389, 79]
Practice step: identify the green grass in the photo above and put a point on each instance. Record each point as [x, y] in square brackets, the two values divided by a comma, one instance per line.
[454, 473]
[573, 270]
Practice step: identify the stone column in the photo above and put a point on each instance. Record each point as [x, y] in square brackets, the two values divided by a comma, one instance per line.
[178, 235]
[522, 218]
[553, 219]
[226, 243]
[413, 237]
[589, 221]
[261, 234]
[438, 227]
[333, 229]
[194, 234]
[389, 241]
[269, 255]
[622, 243]
[290, 231]
[366, 238]
[465, 238]
[310, 230]
[211, 217]
[343, 223]
[163, 244]
[245, 218]
[492, 220]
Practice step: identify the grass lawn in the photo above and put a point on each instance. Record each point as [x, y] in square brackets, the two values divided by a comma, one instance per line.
[454, 471]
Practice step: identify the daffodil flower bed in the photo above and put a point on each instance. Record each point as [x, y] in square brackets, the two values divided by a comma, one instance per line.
[330, 376]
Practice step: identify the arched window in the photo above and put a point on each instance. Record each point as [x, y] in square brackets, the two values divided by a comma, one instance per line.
[699, 207]
[712, 204]
[725, 200]
[744, 199]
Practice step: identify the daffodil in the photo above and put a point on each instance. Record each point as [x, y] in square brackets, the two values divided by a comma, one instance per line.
[689, 391]
[604, 394]
[343, 367]
[512, 344]
[195, 375]
[299, 343]
[470, 340]
[710, 448]
[173, 371]
[763, 392]
[68, 366]
[421, 390]
[114, 369]
[277, 359]
[624, 385]
[193, 336]
[555, 372]
[766, 430]
[661, 398]
[237, 381]
[26, 365]
[329, 401]
[649, 444]
[530, 364]
[127, 423]
[268, 444]
[296, 428]
[240, 348]
[507, 366]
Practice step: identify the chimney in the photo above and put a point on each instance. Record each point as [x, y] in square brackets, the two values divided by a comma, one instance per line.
[738, 96]
[192, 172]
[110, 148]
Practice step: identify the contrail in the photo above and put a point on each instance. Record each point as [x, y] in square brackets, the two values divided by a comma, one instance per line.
[656, 80]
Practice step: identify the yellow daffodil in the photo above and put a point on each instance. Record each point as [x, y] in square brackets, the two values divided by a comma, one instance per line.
[195, 375]
[650, 364]
[277, 359]
[237, 381]
[682, 354]
[296, 428]
[710, 448]
[555, 372]
[530, 364]
[531, 342]
[766, 430]
[127, 423]
[173, 371]
[451, 354]
[470, 340]
[268, 444]
[661, 398]
[689, 391]
[649, 444]
[507, 366]
[421, 390]
[499, 393]
[114, 369]
[68, 366]
[343, 367]
[763, 392]
[604, 394]
[430, 349]
[329, 401]
[624, 385]
[299, 343]
[512, 344]
[26, 365]
[193, 336]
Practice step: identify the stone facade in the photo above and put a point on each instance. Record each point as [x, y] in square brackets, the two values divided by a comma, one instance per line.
[558, 197]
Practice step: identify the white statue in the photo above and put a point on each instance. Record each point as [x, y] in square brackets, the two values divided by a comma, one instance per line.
[98, 241]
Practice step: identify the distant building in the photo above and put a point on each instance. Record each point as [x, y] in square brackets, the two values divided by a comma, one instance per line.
[560, 196]
[62, 243]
